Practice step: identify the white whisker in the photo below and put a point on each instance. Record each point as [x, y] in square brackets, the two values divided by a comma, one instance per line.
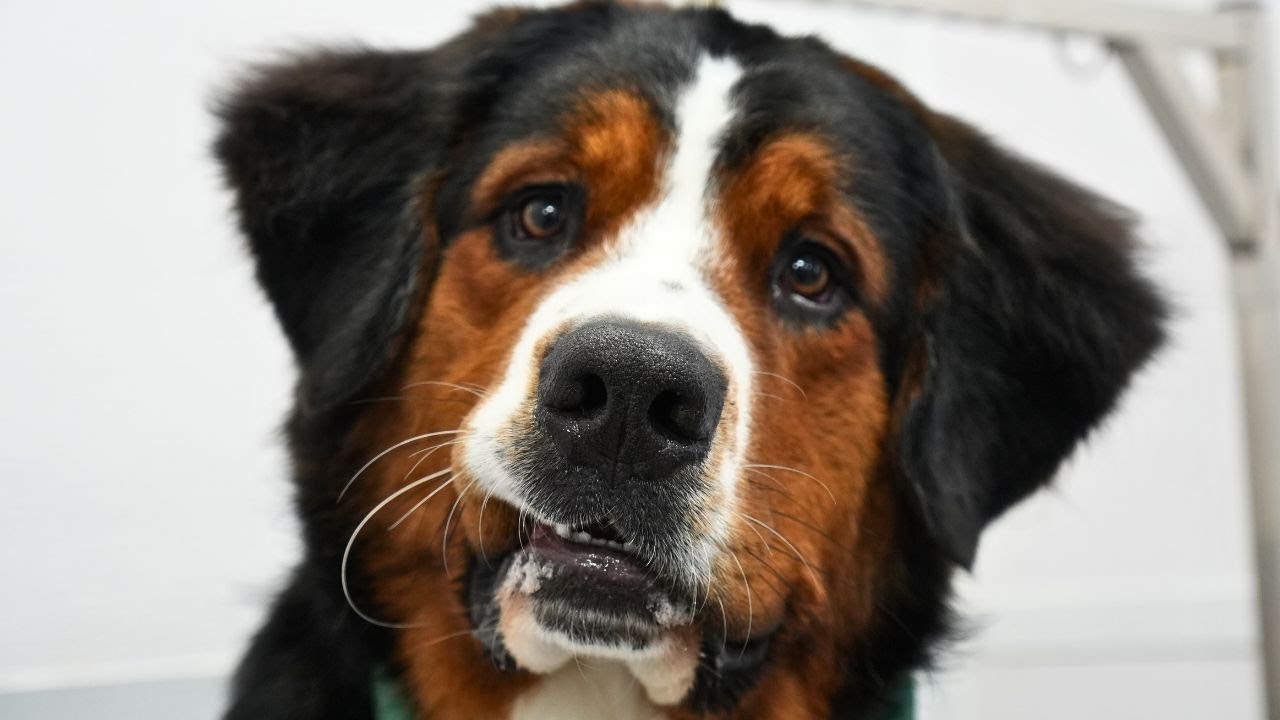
[444, 541]
[754, 471]
[453, 635]
[442, 383]
[428, 453]
[706, 596]
[418, 504]
[480, 523]
[750, 608]
[784, 379]
[521, 537]
[812, 575]
[384, 453]
[346, 553]
[764, 542]
[796, 471]
[724, 623]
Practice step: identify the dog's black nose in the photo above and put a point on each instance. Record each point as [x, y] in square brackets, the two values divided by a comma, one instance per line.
[630, 401]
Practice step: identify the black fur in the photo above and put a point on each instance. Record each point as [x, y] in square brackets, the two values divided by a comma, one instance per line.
[324, 155]
[1034, 321]
[312, 659]
[1039, 321]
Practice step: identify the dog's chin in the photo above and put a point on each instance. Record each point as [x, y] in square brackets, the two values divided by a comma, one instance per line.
[559, 599]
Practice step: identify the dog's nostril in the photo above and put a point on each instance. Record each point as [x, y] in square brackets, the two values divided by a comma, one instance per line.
[594, 394]
[582, 396]
[677, 416]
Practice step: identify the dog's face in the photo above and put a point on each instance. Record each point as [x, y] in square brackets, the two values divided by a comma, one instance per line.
[646, 338]
[669, 305]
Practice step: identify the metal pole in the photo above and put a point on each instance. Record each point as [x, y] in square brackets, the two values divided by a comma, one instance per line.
[1205, 148]
[1258, 328]
[1108, 19]
[1256, 276]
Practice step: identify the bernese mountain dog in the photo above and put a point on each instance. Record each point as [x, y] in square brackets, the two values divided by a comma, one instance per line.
[651, 365]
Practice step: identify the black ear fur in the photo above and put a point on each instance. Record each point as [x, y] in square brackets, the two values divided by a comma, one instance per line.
[1038, 321]
[329, 154]
[325, 153]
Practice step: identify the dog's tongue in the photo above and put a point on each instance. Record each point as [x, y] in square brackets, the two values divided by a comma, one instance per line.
[592, 561]
[598, 594]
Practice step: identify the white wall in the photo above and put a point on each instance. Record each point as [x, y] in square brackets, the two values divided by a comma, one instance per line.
[144, 516]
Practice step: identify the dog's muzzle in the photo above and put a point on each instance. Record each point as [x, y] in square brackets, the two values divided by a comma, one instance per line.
[612, 471]
[625, 420]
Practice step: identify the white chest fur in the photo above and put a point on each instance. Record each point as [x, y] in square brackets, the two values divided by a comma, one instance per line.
[590, 689]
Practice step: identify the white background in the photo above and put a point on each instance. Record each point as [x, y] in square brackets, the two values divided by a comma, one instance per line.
[145, 520]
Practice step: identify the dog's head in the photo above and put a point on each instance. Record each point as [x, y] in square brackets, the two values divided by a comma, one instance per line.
[649, 337]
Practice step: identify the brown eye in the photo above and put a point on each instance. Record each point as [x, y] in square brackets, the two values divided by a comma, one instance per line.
[538, 224]
[809, 283]
[809, 276]
[542, 217]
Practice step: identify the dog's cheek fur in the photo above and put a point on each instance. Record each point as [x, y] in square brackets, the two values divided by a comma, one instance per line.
[415, 573]
[839, 514]
[815, 531]
[478, 305]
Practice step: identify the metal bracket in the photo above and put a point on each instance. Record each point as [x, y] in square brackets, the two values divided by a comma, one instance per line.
[1213, 147]
[1218, 147]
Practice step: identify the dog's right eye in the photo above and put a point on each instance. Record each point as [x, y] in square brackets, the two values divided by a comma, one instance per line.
[541, 217]
[539, 224]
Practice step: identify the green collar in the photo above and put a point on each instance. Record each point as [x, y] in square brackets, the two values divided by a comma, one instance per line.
[903, 706]
[390, 703]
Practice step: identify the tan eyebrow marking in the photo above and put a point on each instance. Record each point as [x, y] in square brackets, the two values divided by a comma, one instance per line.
[611, 142]
[793, 181]
[539, 159]
[618, 145]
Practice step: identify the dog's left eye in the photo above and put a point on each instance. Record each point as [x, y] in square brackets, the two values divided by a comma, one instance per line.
[809, 282]
[808, 275]
[538, 224]
[542, 216]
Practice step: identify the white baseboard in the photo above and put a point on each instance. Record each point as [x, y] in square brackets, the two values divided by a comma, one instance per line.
[189, 699]
[128, 671]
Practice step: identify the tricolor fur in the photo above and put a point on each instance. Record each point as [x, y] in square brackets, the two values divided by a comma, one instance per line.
[899, 330]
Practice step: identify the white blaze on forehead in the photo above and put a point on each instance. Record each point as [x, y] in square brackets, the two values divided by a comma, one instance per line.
[676, 235]
[656, 271]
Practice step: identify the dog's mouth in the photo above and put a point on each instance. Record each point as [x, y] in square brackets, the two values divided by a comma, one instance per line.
[591, 585]
[592, 591]
[596, 550]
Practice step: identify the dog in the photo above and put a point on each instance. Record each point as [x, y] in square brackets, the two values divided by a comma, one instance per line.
[651, 365]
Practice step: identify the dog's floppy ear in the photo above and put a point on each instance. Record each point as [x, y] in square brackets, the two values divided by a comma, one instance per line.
[328, 154]
[1036, 321]
[325, 153]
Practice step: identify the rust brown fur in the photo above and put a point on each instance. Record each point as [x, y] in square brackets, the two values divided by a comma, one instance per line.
[612, 145]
